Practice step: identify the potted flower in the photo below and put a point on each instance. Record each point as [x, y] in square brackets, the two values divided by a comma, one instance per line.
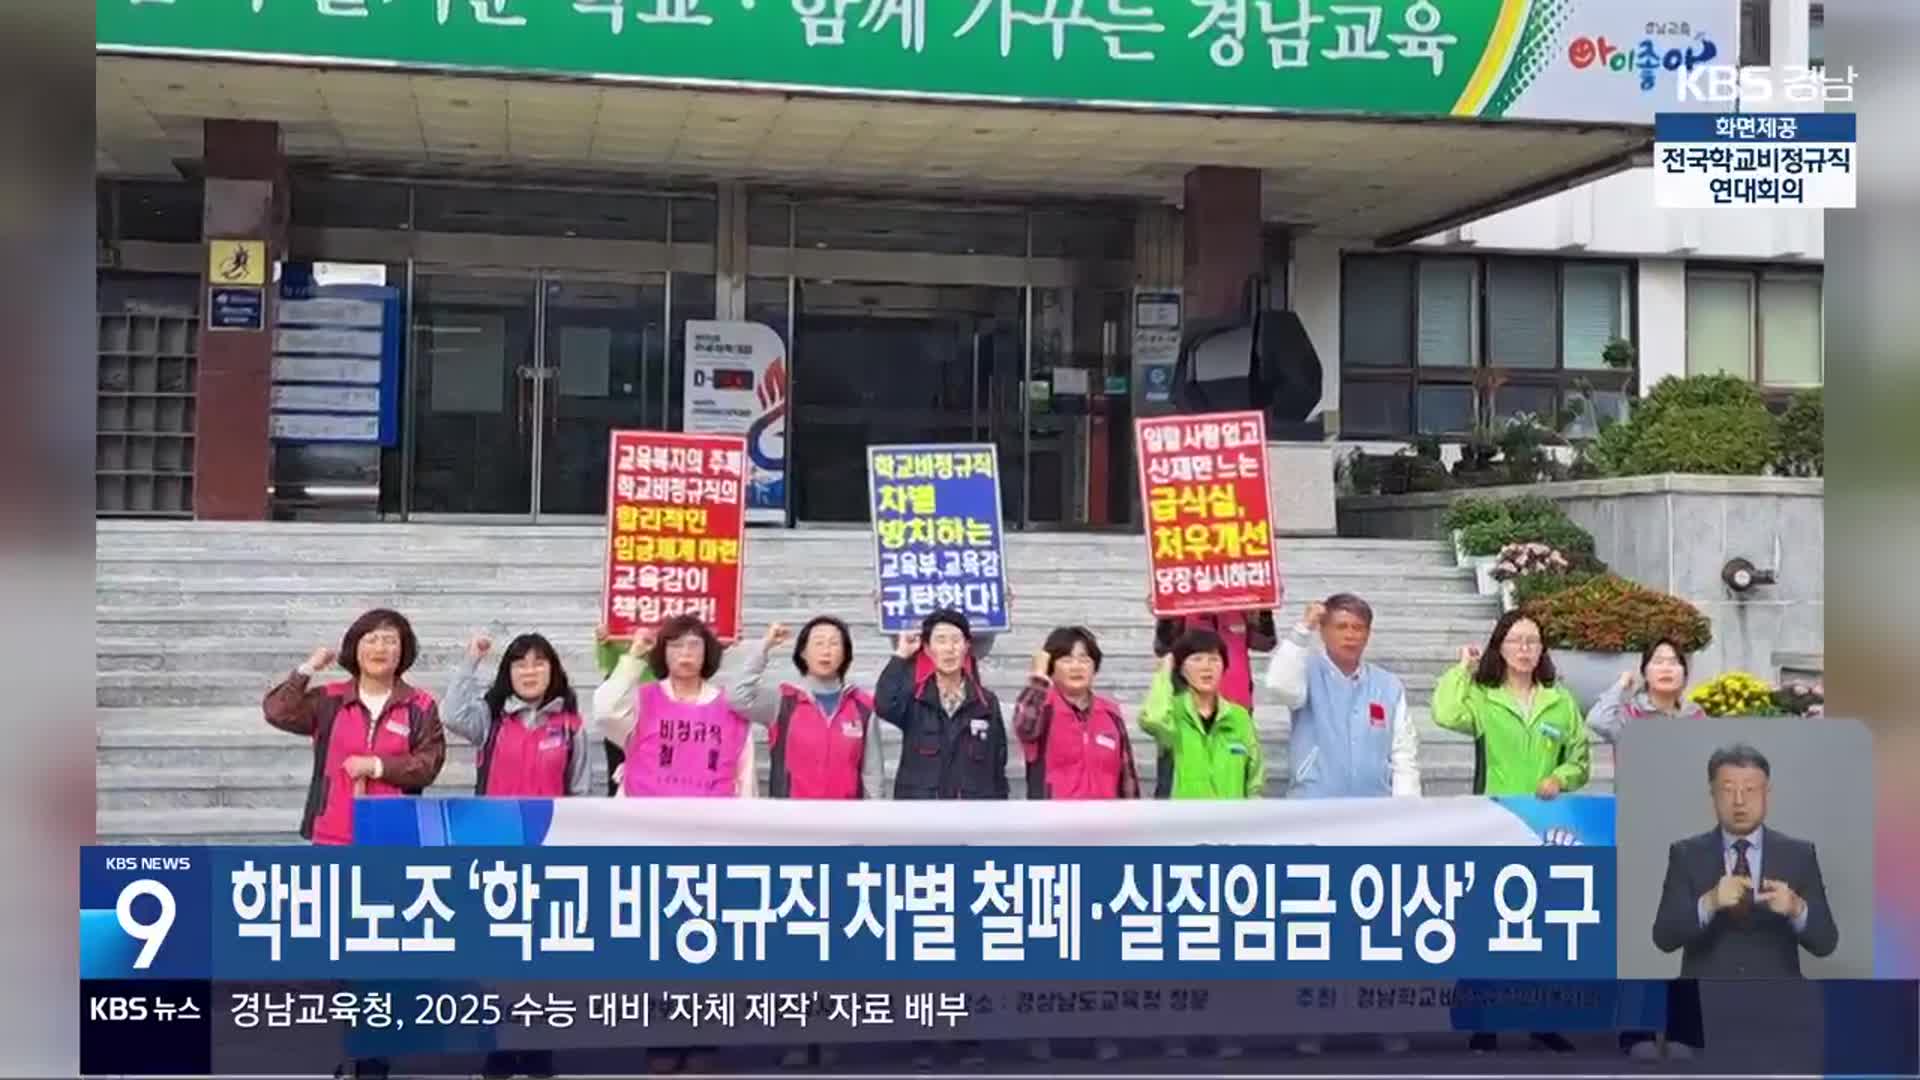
[1598, 624]
[1735, 693]
[1517, 561]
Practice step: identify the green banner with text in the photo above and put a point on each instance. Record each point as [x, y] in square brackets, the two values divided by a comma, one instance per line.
[1586, 60]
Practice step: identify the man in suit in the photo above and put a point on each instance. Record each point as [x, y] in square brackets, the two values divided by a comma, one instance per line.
[1743, 899]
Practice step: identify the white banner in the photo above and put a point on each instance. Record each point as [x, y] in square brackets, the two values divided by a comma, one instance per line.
[736, 384]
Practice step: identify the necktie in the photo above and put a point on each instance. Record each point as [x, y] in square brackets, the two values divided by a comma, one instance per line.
[1743, 870]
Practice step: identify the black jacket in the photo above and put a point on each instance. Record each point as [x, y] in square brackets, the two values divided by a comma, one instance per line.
[1760, 945]
[963, 756]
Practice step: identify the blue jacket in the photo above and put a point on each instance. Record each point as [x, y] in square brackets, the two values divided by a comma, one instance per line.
[1351, 736]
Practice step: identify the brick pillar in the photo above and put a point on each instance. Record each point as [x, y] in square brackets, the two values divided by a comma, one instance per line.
[245, 200]
[1223, 239]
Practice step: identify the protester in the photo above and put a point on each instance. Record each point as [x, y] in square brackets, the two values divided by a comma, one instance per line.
[1659, 689]
[372, 734]
[693, 739]
[531, 739]
[819, 730]
[1074, 741]
[1242, 632]
[1208, 738]
[953, 733]
[607, 651]
[1351, 734]
[1529, 736]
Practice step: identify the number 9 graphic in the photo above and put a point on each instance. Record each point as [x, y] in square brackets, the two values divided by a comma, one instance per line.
[151, 934]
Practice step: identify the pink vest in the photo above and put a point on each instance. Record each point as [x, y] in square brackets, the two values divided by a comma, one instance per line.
[352, 734]
[1236, 685]
[818, 756]
[528, 763]
[1083, 760]
[680, 750]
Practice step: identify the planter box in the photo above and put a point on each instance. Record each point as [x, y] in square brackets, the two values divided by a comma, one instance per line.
[1483, 574]
[1460, 557]
[1586, 675]
[1507, 600]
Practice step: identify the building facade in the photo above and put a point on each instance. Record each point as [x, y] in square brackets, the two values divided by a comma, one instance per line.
[952, 216]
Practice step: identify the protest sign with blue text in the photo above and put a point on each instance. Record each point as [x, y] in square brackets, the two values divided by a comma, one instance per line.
[937, 534]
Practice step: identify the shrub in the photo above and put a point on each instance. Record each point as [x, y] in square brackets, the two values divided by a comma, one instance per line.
[1528, 519]
[1535, 586]
[1734, 694]
[1721, 440]
[1714, 424]
[1803, 433]
[1469, 510]
[1607, 613]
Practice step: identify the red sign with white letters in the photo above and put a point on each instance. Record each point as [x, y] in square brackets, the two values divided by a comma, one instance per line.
[676, 521]
[1203, 487]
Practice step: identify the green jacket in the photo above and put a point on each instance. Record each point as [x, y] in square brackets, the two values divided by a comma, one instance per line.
[1515, 751]
[1224, 763]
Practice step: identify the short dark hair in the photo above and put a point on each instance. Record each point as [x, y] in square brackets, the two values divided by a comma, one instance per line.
[1646, 655]
[1061, 641]
[558, 689]
[678, 627]
[1740, 756]
[846, 643]
[1350, 604]
[379, 619]
[1194, 642]
[1493, 667]
[951, 617]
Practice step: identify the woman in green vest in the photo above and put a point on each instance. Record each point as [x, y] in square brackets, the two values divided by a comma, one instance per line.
[1207, 740]
[1529, 737]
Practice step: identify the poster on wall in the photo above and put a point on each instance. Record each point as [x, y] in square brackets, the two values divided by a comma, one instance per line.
[675, 505]
[937, 535]
[736, 384]
[1156, 341]
[1203, 485]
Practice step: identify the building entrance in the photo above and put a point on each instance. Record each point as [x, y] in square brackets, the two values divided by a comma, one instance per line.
[877, 364]
[519, 378]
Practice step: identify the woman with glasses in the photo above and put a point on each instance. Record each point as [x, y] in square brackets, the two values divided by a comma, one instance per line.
[1529, 737]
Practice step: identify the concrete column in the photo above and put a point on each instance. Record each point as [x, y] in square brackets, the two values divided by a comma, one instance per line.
[246, 199]
[730, 253]
[1662, 309]
[1224, 245]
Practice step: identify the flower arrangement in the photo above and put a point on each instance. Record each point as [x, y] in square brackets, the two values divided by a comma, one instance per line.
[1799, 699]
[1607, 613]
[1735, 694]
[1528, 559]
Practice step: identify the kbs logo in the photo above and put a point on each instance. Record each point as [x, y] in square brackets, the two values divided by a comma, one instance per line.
[1645, 57]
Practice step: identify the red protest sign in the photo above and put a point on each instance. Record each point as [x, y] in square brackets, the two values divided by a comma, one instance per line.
[1203, 487]
[676, 514]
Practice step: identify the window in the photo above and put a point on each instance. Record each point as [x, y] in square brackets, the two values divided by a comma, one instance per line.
[1764, 326]
[1420, 336]
[1817, 36]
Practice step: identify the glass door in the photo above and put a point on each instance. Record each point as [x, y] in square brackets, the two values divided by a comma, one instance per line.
[602, 357]
[472, 365]
[878, 363]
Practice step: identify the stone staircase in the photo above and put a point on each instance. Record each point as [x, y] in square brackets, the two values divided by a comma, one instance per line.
[197, 620]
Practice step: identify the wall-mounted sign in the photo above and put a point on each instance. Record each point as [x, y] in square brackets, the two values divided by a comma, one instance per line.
[236, 308]
[336, 361]
[236, 262]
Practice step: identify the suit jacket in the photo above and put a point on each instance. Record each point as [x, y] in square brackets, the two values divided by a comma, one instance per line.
[1760, 946]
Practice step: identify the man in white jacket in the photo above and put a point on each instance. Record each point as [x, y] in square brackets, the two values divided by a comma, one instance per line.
[1352, 735]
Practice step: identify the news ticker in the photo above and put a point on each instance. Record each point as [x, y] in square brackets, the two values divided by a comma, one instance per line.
[815, 913]
[185, 1027]
[1804, 160]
